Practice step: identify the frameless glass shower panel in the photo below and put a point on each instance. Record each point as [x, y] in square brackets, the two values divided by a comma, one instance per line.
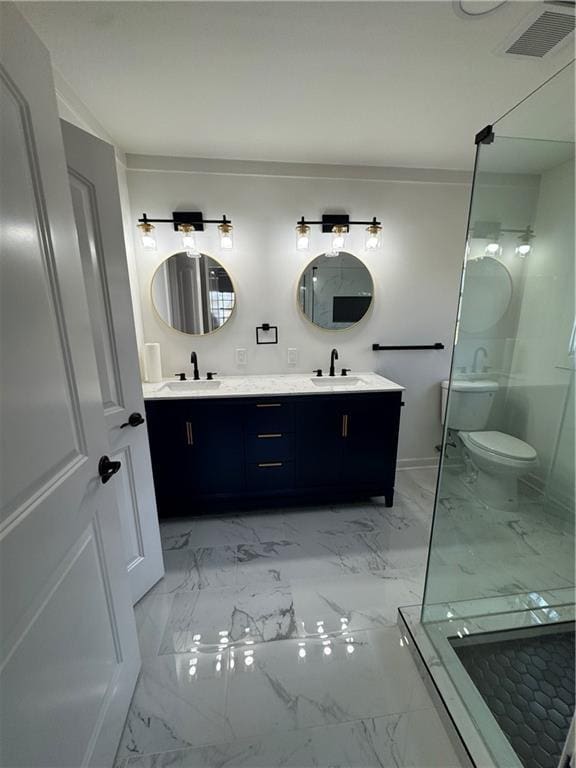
[499, 596]
[504, 517]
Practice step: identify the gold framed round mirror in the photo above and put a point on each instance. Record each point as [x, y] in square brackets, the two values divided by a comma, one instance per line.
[193, 294]
[486, 295]
[335, 292]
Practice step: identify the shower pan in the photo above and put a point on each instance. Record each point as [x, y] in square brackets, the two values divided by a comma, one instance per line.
[494, 637]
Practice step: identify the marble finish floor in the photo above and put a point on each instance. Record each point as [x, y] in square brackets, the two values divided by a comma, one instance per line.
[479, 552]
[272, 641]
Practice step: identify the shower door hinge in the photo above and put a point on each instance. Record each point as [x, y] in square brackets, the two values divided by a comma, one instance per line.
[485, 136]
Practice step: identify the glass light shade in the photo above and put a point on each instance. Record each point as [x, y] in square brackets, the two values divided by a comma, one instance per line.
[338, 239]
[188, 234]
[493, 249]
[523, 249]
[147, 236]
[226, 240]
[302, 237]
[373, 237]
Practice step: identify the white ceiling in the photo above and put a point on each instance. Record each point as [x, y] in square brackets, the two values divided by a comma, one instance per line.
[377, 83]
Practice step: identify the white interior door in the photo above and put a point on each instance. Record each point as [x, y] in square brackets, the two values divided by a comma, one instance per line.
[69, 655]
[97, 211]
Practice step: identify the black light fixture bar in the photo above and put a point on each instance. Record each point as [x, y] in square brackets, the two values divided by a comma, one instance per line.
[331, 220]
[483, 230]
[193, 218]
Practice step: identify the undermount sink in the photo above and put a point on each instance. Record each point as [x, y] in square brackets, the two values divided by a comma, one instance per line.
[191, 386]
[336, 381]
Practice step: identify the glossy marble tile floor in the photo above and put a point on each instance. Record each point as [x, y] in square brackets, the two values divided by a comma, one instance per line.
[272, 641]
[478, 552]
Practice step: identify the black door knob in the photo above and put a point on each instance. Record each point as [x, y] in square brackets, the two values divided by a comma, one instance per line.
[134, 420]
[107, 468]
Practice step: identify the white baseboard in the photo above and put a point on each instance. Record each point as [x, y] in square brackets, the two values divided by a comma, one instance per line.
[426, 463]
[562, 502]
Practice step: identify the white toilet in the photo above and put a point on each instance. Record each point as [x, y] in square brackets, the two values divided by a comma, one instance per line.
[499, 459]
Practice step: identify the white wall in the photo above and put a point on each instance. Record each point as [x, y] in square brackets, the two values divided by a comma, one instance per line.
[540, 399]
[416, 274]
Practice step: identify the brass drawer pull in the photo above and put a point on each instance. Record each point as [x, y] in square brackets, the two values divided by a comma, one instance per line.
[271, 464]
[189, 433]
[268, 405]
[345, 425]
[270, 434]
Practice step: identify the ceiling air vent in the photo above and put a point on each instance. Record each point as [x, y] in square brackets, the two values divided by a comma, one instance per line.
[548, 30]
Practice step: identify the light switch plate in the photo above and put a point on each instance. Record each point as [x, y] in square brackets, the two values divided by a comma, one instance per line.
[241, 357]
[292, 356]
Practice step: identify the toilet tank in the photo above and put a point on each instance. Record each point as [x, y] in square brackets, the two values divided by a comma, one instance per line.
[470, 403]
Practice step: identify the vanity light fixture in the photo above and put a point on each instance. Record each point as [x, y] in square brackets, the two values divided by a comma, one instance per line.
[338, 240]
[147, 236]
[493, 248]
[226, 241]
[373, 236]
[302, 235]
[187, 224]
[491, 232]
[524, 243]
[338, 225]
[189, 240]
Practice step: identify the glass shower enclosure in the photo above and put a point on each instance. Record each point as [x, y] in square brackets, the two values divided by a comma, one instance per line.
[496, 628]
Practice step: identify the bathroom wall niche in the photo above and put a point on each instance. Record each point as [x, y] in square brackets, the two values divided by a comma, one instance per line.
[335, 292]
[193, 294]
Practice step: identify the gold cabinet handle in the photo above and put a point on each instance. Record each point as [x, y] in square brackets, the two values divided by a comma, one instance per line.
[268, 405]
[271, 464]
[270, 434]
[345, 425]
[189, 433]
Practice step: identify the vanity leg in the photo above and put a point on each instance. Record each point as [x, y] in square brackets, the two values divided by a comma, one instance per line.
[389, 498]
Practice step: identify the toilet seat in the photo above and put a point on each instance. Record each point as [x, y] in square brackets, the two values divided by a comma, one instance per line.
[501, 444]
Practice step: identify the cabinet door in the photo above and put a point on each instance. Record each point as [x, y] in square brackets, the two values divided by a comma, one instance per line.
[197, 450]
[371, 440]
[214, 447]
[320, 438]
[167, 433]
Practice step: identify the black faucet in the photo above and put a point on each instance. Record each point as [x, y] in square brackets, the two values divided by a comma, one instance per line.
[333, 357]
[194, 361]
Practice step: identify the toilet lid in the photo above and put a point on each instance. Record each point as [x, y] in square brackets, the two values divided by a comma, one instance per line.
[503, 445]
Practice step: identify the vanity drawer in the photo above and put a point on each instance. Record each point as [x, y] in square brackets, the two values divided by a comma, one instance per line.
[266, 416]
[269, 446]
[270, 476]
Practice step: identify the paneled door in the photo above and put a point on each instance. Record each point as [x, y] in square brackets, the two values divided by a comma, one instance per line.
[96, 203]
[69, 655]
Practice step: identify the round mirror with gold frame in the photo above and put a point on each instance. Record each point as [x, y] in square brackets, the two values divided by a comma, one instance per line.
[193, 294]
[486, 295]
[335, 291]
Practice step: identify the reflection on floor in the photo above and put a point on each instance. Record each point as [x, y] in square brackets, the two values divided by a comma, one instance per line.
[272, 641]
[478, 552]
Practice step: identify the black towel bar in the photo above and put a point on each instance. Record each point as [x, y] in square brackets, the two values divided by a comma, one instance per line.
[438, 345]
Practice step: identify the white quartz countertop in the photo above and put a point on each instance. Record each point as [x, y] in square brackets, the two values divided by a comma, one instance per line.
[262, 385]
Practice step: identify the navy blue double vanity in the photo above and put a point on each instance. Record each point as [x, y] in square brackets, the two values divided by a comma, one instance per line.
[235, 440]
